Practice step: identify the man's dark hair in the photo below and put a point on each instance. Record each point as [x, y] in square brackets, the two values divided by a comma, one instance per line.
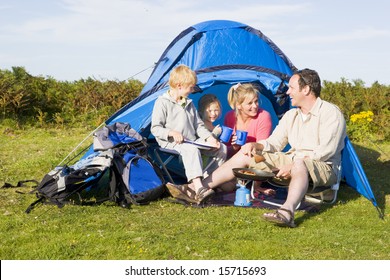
[308, 77]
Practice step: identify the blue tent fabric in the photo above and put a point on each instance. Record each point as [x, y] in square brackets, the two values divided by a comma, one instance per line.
[353, 173]
[223, 53]
[220, 51]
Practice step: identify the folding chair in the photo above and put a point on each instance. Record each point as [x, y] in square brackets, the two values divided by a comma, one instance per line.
[320, 194]
[172, 154]
[327, 195]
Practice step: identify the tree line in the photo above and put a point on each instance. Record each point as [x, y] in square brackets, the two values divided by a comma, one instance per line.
[43, 101]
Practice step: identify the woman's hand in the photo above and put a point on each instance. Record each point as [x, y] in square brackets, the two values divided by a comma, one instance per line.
[234, 139]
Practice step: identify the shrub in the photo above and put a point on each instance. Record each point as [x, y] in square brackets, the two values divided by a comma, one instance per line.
[355, 100]
[359, 125]
[43, 101]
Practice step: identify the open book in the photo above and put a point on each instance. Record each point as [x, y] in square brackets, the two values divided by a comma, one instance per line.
[199, 144]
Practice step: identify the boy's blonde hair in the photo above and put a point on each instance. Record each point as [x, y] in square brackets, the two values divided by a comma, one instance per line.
[182, 75]
[205, 101]
[239, 92]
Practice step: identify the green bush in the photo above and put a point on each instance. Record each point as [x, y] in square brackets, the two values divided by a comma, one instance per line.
[355, 100]
[39, 101]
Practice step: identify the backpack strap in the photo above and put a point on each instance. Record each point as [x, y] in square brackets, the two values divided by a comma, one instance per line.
[19, 184]
[135, 158]
[123, 194]
[118, 189]
[32, 205]
[113, 193]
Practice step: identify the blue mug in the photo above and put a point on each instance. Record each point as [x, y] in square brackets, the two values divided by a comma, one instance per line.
[226, 134]
[241, 137]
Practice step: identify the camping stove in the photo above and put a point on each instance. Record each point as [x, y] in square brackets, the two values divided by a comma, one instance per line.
[243, 195]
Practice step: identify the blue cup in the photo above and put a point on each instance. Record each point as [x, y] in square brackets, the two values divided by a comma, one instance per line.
[241, 137]
[226, 134]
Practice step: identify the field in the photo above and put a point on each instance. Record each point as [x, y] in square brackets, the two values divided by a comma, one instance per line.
[347, 230]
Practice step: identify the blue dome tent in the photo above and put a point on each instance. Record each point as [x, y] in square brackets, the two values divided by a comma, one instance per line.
[223, 53]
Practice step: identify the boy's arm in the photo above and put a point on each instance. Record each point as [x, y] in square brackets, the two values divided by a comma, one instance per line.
[159, 116]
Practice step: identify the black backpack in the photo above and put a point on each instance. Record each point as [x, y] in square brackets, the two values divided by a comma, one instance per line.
[63, 183]
[117, 169]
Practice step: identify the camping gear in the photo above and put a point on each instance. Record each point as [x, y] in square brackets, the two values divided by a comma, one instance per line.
[118, 169]
[241, 137]
[117, 134]
[164, 156]
[223, 53]
[141, 177]
[226, 134]
[243, 196]
[137, 178]
[244, 176]
[252, 174]
[132, 167]
[248, 176]
[61, 183]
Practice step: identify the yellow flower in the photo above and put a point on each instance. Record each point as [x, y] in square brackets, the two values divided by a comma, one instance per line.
[362, 117]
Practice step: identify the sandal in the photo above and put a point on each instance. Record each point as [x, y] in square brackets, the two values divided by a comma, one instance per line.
[182, 192]
[279, 219]
[203, 194]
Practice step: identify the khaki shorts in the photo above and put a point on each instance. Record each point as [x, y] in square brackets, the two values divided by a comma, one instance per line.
[321, 173]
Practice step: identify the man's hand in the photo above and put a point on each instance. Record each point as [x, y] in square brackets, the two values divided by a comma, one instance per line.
[285, 171]
[249, 149]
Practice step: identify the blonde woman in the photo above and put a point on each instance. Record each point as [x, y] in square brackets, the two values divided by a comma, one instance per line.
[247, 116]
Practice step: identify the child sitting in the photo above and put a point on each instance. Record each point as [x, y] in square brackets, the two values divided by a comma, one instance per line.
[210, 110]
[174, 120]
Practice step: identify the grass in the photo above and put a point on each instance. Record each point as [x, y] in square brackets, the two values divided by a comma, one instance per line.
[348, 230]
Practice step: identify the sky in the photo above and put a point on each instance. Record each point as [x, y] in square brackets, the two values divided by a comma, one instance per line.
[70, 40]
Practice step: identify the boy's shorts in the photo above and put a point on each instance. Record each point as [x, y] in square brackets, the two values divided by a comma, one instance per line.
[321, 173]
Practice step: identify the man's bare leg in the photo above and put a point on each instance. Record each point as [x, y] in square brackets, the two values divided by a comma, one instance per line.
[296, 190]
[298, 185]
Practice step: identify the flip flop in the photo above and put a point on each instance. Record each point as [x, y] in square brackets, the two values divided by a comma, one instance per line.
[279, 219]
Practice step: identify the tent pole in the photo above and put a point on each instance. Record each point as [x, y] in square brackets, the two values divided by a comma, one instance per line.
[152, 66]
[381, 214]
[85, 139]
